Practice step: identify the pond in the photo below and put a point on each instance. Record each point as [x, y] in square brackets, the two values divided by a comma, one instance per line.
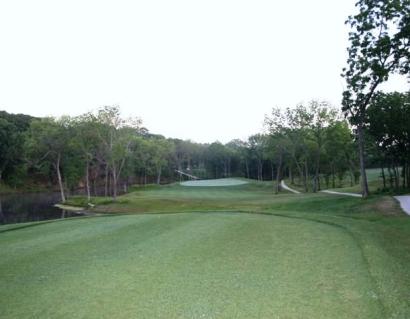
[28, 207]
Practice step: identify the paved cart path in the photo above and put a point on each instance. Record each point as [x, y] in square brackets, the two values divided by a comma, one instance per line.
[341, 193]
[404, 203]
[284, 186]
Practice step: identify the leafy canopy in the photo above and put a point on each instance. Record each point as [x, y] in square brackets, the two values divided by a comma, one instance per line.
[379, 46]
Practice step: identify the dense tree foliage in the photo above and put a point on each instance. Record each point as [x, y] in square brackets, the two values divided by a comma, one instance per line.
[388, 125]
[12, 128]
[102, 153]
[379, 46]
[311, 139]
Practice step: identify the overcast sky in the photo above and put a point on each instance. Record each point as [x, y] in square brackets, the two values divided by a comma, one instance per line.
[204, 70]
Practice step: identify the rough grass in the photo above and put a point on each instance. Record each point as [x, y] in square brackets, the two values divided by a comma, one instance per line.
[375, 183]
[245, 253]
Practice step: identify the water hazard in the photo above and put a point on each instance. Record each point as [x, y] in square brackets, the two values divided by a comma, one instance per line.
[28, 207]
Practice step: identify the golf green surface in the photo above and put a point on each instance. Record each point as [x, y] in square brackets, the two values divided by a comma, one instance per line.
[307, 256]
[215, 182]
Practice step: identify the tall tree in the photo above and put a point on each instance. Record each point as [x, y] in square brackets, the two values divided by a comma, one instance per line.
[115, 134]
[85, 140]
[319, 116]
[48, 139]
[12, 162]
[161, 150]
[257, 145]
[379, 46]
[290, 125]
[388, 123]
[116, 137]
[8, 147]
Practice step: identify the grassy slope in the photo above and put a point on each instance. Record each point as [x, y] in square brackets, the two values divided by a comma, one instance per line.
[307, 256]
[375, 182]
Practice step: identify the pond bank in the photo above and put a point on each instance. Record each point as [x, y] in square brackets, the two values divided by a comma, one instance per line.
[34, 206]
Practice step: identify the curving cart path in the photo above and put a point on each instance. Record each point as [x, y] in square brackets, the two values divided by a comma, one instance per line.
[404, 200]
[404, 203]
[284, 186]
[340, 193]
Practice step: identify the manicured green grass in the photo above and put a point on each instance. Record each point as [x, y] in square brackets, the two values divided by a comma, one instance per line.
[223, 252]
[214, 182]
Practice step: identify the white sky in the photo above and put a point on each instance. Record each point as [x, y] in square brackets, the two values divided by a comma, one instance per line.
[204, 70]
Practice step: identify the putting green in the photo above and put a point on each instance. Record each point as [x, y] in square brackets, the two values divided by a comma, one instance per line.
[215, 182]
[213, 265]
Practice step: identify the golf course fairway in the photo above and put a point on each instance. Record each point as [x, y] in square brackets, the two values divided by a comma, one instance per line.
[293, 258]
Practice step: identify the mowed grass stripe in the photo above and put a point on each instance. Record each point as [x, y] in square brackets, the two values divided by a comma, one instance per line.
[184, 199]
[216, 265]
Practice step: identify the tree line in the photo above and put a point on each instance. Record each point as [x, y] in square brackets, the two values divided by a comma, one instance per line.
[379, 47]
[311, 144]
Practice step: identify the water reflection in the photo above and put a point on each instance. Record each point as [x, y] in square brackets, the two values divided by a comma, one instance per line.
[19, 208]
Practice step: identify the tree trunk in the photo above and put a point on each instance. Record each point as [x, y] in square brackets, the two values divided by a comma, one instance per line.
[114, 183]
[390, 177]
[278, 173]
[365, 186]
[260, 170]
[306, 177]
[87, 180]
[384, 178]
[408, 174]
[247, 168]
[316, 185]
[403, 173]
[229, 168]
[95, 187]
[159, 176]
[258, 173]
[300, 171]
[106, 181]
[396, 177]
[291, 177]
[271, 167]
[60, 180]
[109, 183]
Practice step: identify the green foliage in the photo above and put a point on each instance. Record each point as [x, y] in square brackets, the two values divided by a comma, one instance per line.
[388, 118]
[389, 122]
[8, 138]
[313, 139]
[12, 164]
[379, 46]
[308, 144]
